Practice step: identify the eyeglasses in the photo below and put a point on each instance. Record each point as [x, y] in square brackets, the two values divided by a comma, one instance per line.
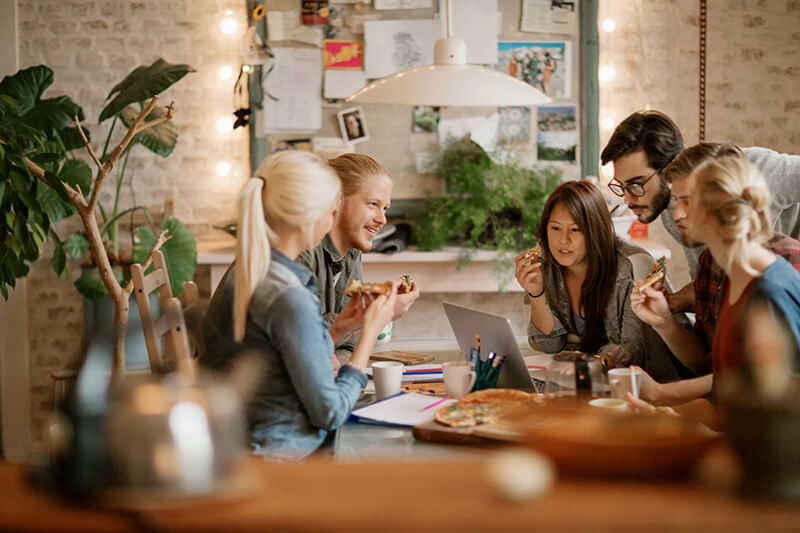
[635, 189]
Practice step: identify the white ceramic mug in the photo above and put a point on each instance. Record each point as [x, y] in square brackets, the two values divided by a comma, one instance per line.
[609, 403]
[620, 381]
[387, 375]
[459, 378]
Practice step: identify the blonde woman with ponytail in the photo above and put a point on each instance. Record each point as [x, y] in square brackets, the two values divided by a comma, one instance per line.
[267, 304]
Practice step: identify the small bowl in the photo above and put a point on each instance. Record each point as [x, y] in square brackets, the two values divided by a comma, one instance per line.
[609, 403]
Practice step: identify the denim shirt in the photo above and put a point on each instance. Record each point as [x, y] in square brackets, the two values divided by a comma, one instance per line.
[299, 400]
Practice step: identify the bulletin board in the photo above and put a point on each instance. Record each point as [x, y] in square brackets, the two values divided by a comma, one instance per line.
[399, 137]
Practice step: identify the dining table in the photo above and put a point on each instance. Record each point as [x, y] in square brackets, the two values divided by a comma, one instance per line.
[379, 478]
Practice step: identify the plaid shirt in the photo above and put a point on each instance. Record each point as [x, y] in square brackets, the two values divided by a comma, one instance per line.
[710, 282]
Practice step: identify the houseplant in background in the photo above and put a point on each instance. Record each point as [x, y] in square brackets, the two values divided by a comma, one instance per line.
[41, 182]
[487, 205]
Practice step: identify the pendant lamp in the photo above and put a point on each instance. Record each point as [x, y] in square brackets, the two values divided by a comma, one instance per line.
[450, 82]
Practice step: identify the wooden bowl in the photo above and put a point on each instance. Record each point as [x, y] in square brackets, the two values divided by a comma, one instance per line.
[595, 442]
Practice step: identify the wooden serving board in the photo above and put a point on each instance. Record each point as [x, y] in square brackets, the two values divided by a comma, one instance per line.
[407, 358]
[483, 435]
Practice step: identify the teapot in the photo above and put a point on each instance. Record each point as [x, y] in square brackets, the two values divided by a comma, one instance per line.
[576, 374]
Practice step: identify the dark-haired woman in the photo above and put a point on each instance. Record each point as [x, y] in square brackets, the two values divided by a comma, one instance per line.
[579, 291]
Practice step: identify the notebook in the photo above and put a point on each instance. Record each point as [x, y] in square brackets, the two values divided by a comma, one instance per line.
[404, 409]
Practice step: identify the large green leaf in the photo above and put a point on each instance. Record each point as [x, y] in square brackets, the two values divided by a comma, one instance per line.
[55, 206]
[160, 139]
[76, 173]
[72, 139]
[59, 261]
[53, 114]
[27, 86]
[180, 252]
[77, 244]
[8, 105]
[90, 284]
[141, 84]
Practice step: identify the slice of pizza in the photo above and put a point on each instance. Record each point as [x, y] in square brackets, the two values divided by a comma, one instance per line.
[655, 275]
[406, 284]
[497, 396]
[366, 287]
[468, 414]
[534, 254]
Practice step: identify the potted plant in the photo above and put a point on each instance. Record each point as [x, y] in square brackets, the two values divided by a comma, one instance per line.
[41, 183]
[487, 205]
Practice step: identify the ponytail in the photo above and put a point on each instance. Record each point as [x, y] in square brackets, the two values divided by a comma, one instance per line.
[252, 251]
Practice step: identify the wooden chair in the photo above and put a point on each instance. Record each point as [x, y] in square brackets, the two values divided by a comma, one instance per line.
[171, 325]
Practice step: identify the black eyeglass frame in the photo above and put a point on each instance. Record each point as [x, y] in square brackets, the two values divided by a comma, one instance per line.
[636, 189]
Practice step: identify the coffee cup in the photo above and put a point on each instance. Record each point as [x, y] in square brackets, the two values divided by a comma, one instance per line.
[620, 381]
[609, 403]
[459, 378]
[387, 375]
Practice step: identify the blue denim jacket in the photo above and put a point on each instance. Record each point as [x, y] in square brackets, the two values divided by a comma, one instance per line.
[299, 400]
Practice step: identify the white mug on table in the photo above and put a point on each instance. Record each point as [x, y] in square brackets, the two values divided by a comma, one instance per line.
[459, 378]
[620, 381]
[387, 375]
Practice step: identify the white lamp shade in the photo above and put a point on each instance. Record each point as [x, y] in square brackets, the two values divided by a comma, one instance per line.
[450, 85]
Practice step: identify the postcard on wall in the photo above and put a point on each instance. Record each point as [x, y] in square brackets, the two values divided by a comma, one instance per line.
[558, 132]
[296, 82]
[549, 16]
[426, 118]
[545, 65]
[395, 45]
[315, 12]
[477, 23]
[514, 130]
[330, 147]
[343, 83]
[402, 4]
[280, 145]
[345, 55]
[353, 125]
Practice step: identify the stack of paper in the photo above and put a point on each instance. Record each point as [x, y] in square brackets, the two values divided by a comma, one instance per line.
[418, 373]
[405, 409]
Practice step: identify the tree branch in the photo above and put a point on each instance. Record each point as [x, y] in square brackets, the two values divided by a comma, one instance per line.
[168, 116]
[86, 142]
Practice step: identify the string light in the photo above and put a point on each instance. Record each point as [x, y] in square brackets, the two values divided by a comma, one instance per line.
[225, 72]
[228, 24]
[608, 25]
[607, 123]
[225, 124]
[246, 68]
[606, 74]
[223, 168]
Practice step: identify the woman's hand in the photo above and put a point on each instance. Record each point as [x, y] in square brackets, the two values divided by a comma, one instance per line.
[641, 405]
[529, 274]
[650, 389]
[379, 312]
[650, 306]
[351, 317]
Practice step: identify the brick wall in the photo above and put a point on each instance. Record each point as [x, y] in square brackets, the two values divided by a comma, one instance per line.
[91, 45]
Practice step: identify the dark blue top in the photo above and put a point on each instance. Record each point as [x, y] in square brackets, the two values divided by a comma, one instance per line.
[779, 288]
[299, 400]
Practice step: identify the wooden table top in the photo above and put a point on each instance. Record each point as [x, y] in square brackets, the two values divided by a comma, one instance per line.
[320, 495]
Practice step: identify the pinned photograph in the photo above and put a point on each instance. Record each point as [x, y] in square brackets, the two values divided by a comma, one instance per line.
[546, 66]
[426, 119]
[558, 133]
[353, 125]
[514, 131]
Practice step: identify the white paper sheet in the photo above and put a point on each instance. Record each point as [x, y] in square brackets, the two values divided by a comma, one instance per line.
[402, 4]
[329, 148]
[547, 16]
[395, 45]
[343, 83]
[476, 22]
[482, 130]
[282, 24]
[403, 410]
[297, 83]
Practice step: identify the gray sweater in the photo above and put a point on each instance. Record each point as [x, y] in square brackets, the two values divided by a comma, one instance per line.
[782, 173]
[630, 341]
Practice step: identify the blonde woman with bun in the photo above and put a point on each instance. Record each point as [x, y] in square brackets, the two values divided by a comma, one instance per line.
[729, 213]
[267, 304]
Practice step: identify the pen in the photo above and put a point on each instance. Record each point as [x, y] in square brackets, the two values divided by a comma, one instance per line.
[434, 404]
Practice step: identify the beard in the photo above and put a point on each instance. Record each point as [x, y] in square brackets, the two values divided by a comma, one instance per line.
[660, 202]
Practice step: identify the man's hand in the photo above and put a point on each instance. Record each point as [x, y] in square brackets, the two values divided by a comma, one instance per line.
[403, 302]
[682, 301]
[650, 306]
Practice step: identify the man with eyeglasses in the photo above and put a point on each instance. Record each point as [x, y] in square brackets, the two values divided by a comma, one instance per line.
[646, 142]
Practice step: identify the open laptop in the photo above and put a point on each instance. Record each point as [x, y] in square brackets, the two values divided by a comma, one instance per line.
[496, 336]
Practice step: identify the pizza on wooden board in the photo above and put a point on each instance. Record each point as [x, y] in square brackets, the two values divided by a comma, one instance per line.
[482, 407]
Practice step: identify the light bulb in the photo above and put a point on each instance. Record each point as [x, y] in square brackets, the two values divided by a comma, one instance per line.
[223, 168]
[608, 25]
[246, 68]
[228, 25]
[606, 74]
[225, 124]
[607, 123]
[225, 72]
